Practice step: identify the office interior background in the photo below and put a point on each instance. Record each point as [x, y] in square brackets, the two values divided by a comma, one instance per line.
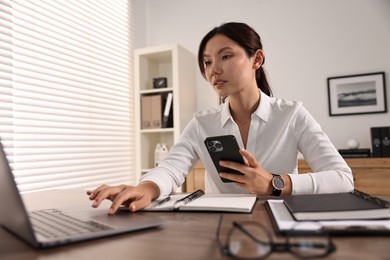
[305, 42]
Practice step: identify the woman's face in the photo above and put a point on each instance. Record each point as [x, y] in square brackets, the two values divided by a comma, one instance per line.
[227, 66]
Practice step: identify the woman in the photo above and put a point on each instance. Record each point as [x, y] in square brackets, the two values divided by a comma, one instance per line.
[270, 131]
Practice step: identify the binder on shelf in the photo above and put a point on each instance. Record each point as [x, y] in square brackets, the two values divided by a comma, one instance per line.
[146, 112]
[376, 141]
[157, 111]
[385, 135]
[157, 106]
[167, 117]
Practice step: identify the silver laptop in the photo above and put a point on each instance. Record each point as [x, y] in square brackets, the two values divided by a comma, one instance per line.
[54, 227]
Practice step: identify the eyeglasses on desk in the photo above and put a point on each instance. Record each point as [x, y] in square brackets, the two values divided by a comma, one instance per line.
[251, 240]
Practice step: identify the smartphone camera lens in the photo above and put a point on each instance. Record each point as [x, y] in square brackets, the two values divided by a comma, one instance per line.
[214, 146]
[218, 146]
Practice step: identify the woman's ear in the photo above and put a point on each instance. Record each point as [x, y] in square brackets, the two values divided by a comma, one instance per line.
[258, 59]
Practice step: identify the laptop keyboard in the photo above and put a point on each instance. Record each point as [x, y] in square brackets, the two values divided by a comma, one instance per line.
[54, 223]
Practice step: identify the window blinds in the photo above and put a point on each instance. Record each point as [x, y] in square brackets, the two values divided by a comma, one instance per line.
[65, 95]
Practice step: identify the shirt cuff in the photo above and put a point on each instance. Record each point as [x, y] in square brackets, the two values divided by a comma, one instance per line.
[301, 184]
[164, 191]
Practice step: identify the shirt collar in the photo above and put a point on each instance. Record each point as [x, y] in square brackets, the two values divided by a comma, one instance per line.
[264, 108]
[225, 115]
[262, 111]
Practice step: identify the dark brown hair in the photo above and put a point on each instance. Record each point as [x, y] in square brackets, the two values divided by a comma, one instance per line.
[244, 36]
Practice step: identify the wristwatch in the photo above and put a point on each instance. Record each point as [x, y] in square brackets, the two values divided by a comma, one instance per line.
[277, 184]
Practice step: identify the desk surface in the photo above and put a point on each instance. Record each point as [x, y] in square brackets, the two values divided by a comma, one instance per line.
[183, 236]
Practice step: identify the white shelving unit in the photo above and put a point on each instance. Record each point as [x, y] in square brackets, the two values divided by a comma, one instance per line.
[178, 66]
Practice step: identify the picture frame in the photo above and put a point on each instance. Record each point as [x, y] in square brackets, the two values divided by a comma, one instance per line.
[357, 94]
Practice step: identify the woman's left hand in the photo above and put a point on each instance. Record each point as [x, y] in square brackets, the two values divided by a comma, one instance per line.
[255, 178]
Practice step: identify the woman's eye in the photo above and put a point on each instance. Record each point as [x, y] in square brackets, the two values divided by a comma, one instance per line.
[206, 62]
[227, 56]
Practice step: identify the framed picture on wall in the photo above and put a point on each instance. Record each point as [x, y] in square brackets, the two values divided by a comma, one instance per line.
[357, 94]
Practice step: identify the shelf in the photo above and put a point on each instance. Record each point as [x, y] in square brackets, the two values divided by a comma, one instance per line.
[157, 130]
[155, 91]
[177, 65]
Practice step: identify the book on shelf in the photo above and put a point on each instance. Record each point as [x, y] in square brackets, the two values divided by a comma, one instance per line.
[385, 135]
[355, 153]
[337, 206]
[380, 141]
[201, 201]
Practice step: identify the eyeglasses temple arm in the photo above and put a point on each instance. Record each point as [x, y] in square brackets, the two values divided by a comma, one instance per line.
[218, 231]
[240, 227]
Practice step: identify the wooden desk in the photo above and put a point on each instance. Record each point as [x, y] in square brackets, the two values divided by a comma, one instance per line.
[371, 175]
[183, 236]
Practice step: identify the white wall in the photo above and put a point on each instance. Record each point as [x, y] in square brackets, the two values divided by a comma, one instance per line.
[305, 41]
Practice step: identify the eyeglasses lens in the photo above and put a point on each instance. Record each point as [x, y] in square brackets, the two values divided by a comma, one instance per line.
[309, 245]
[249, 241]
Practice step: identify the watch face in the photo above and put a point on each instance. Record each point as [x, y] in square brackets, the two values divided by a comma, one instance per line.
[278, 182]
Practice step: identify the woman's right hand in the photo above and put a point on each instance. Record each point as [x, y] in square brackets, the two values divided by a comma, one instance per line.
[133, 197]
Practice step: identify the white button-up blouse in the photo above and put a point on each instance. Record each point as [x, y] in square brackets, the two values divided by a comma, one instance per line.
[279, 130]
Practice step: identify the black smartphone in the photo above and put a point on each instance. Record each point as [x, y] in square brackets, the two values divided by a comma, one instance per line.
[225, 148]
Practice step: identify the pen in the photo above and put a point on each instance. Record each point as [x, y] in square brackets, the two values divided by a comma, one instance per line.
[159, 203]
[191, 197]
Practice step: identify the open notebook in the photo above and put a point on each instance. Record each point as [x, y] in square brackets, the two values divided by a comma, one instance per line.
[240, 203]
